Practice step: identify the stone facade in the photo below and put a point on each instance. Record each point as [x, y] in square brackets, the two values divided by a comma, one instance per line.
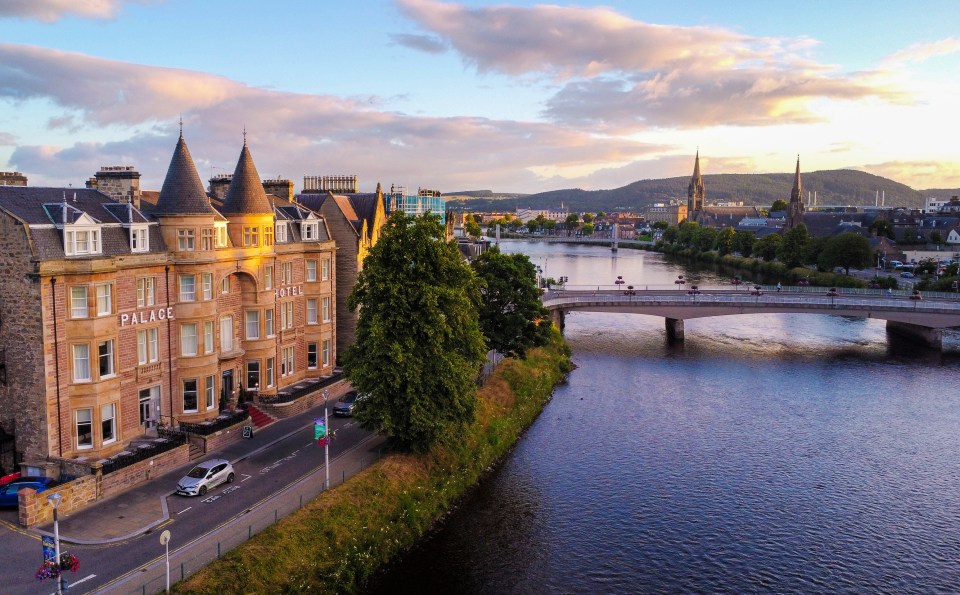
[153, 317]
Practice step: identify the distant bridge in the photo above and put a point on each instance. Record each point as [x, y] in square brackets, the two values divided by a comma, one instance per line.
[920, 319]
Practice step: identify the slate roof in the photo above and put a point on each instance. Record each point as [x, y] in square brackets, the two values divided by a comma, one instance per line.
[182, 192]
[246, 195]
[37, 207]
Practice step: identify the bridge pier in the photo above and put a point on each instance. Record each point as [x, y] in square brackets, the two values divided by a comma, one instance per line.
[674, 329]
[558, 316]
[925, 335]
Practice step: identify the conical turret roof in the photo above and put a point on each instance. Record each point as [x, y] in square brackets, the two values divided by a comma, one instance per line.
[182, 192]
[246, 195]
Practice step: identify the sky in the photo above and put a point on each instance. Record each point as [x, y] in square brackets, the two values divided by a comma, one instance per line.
[505, 96]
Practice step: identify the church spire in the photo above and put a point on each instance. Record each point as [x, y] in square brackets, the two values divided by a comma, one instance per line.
[795, 209]
[695, 191]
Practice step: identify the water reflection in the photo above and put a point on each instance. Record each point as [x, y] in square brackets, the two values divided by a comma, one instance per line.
[766, 453]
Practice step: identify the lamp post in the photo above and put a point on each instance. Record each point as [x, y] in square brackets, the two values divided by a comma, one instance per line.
[165, 541]
[54, 500]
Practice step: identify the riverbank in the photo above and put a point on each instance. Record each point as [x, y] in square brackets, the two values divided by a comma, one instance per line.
[337, 541]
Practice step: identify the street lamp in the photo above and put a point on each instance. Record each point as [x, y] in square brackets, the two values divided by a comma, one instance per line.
[54, 500]
[165, 541]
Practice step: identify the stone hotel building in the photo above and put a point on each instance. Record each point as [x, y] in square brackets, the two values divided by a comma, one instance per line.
[117, 316]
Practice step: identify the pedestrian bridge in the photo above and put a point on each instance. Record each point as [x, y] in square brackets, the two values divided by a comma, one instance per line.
[921, 319]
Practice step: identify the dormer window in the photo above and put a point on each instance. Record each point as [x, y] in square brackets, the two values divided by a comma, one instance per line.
[82, 242]
[308, 230]
[82, 236]
[281, 232]
[139, 239]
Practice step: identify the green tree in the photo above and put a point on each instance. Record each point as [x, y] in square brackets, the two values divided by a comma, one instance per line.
[725, 241]
[936, 237]
[587, 218]
[418, 344]
[512, 318]
[687, 232]
[471, 227]
[812, 250]
[587, 229]
[659, 225]
[670, 233]
[743, 242]
[601, 214]
[790, 252]
[767, 246]
[882, 227]
[847, 250]
[550, 225]
[779, 205]
[705, 238]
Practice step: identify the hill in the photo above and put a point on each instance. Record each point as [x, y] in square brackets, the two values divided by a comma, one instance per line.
[833, 187]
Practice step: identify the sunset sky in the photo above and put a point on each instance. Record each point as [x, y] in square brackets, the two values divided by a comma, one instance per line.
[518, 96]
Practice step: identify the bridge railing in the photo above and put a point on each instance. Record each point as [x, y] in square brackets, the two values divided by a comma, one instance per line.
[748, 288]
[902, 302]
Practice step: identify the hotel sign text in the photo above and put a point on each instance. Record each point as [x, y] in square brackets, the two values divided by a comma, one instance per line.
[146, 316]
[285, 291]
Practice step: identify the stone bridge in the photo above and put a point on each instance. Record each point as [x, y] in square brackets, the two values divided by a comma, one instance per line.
[919, 319]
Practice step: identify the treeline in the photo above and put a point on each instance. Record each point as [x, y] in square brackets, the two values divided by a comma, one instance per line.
[788, 256]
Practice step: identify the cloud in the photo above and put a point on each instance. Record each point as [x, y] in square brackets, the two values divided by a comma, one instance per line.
[425, 43]
[918, 174]
[923, 51]
[50, 11]
[7, 140]
[290, 134]
[616, 72]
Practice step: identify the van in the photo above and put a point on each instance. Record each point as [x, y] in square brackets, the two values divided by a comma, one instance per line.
[895, 263]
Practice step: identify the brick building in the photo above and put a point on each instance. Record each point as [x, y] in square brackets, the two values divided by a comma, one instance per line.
[114, 319]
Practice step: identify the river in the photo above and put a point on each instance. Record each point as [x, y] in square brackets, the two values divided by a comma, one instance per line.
[765, 454]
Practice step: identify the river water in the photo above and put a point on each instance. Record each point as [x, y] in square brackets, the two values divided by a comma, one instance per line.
[766, 454]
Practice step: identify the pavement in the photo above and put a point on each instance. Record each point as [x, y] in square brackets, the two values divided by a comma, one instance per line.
[144, 506]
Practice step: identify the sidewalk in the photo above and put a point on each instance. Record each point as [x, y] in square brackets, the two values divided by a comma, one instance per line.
[143, 507]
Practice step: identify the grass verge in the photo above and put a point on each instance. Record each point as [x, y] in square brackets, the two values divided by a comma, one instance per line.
[337, 541]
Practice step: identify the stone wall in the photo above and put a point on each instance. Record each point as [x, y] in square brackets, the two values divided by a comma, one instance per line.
[86, 490]
[35, 510]
[23, 411]
[284, 410]
[219, 439]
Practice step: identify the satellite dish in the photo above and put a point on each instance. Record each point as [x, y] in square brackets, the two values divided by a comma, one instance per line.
[165, 537]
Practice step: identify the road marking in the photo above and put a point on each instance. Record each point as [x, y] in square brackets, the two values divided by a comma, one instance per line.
[211, 499]
[185, 510]
[245, 477]
[230, 489]
[86, 578]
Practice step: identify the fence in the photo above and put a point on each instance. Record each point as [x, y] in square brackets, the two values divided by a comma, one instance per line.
[209, 427]
[189, 559]
[292, 394]
[169, 439]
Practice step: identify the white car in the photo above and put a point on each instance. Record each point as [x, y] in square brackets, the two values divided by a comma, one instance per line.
[205, 476]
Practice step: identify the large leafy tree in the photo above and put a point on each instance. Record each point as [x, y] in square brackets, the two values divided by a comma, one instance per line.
[418, 346]
[847, 250]
[512, 318]
[743, 242]
[767, 246]
[791, 248]
[725, 241]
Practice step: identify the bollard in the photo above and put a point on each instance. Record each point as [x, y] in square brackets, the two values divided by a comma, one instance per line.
[181, 571]
[249, 531]
[218, 550]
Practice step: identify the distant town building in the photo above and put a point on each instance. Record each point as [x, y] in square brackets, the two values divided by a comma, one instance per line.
[12, 178]
[558, 215]
[335, 184]
[672, 213]
[415, 205]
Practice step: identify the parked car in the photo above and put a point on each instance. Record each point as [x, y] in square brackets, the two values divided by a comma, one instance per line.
[907, 275]
[8, 493]
[205, 476]
[347, 404]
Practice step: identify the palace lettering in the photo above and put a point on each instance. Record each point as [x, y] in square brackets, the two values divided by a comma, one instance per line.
[146, 316]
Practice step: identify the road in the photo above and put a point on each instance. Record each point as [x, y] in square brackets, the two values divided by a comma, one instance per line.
[259, 476]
